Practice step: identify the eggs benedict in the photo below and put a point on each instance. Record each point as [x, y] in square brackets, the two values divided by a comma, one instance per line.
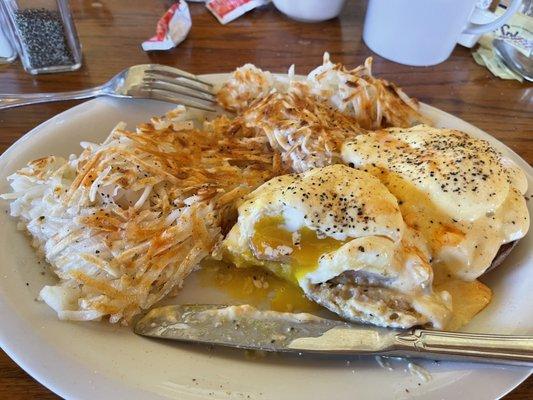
[338, 233]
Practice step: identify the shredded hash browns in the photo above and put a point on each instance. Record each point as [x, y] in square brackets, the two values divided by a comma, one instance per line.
[127, 221]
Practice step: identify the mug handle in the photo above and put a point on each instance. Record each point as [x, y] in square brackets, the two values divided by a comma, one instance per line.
[478, 29]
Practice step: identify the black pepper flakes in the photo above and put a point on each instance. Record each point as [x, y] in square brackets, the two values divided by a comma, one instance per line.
[42, 37]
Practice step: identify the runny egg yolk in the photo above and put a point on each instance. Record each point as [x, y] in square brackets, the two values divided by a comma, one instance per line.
[255, 286]
[269, 232]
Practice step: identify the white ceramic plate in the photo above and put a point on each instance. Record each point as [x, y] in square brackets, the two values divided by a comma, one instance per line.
[101, 361]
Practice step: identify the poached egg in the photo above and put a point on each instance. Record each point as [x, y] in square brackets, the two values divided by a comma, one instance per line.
[456, 191]
[338, 233]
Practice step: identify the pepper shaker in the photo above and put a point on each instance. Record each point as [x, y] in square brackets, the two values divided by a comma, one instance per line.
[44, 35]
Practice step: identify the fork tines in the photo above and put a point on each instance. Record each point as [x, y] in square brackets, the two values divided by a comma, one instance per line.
[177, 86]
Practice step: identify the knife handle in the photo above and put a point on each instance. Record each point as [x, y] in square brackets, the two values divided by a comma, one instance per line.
[477, 347]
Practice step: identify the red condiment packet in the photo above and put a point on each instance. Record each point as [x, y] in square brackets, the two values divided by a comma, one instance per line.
[172, 28]
[228, 10]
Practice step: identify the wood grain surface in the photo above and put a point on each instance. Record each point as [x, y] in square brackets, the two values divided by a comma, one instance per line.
[111, 32]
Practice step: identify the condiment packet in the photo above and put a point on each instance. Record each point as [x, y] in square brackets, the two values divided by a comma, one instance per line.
[172, 28]
[487, 58]
[517, 31]
[228, 10]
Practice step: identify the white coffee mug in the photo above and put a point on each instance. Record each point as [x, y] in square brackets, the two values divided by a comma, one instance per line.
[422, 32]
[310, 10]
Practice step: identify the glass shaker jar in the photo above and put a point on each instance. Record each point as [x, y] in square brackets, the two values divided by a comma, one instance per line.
[44, 34]
[8, 53]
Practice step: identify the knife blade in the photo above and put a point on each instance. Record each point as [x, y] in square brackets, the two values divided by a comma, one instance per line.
[248, 328]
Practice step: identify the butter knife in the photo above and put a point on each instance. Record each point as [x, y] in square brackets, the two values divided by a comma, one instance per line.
[247, 328]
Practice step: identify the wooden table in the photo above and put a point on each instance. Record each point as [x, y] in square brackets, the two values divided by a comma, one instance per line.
[111, 33]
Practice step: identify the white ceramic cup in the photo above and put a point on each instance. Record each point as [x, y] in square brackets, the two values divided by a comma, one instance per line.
[422, 32]
[310, 10]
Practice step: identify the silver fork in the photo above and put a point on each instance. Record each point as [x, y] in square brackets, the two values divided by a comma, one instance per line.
[146, 81]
